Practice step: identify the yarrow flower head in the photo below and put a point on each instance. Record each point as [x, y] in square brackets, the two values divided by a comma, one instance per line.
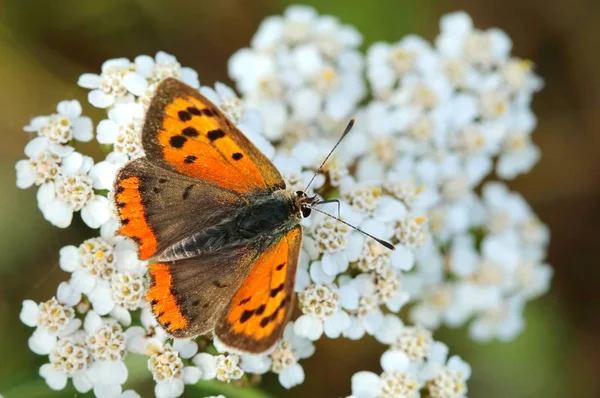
[65, 125]
[433, 121]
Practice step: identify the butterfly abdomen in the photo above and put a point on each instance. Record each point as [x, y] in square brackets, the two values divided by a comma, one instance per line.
[265, 218]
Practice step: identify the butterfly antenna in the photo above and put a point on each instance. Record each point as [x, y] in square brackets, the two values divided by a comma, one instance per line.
[381, 241]
[346, 131]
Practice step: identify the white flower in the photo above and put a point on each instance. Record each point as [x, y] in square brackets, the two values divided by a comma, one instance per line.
[320, 305]
[103, 173]
[445, 379]
[147, 339]
[106, 343]
[69, 358]
[387, 63]
[410, 231]
[109, 273]
[169, 372]
[63, 126]
[207, 364]
[52, 319]
[504, 321]
[44, 163]
[397, 380]
[519, 155]
[459, 39]
[122, 79]
[415, 342]
[70, 190]
[334, 239]
[366, 315]
[288, 351]
[227, 367]
[123, 129]
[128, 289]
[111, 85]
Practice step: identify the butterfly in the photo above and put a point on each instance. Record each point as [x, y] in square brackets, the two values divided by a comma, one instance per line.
[212, 215]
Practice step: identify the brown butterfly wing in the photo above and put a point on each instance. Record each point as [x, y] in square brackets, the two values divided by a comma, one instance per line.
[159, 207]
[187, 133]
[189, 296]
[260, 308]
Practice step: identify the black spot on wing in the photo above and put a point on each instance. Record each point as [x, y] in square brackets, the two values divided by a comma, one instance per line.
[184, 116]
[177, 141]
[214, 135]
[276, 291]
[187, 191]
[261, 309]
[162, 180]
[270, 318]
[237, 156]
[195, 303]
[190, 132]
[244, 301]
[209, 112]
[247, 314]
[194, 111]
[280, 266]
[190, 159]
[218, 284]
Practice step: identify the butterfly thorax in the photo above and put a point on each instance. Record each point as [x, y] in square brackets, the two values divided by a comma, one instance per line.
[265, 218]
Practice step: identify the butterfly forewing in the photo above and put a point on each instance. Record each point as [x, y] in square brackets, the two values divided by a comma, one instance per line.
[186, 132]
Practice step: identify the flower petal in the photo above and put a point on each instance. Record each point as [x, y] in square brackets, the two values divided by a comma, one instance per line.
[100, 99]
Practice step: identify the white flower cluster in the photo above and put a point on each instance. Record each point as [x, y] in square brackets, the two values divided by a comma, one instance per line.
[64, 176]
[486, 270]
[440, 117]
[303, 73]
[414, 365]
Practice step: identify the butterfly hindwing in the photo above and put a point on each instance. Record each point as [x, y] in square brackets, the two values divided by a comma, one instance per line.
[154, 205]
[189, 134]
[188, 296]
[258, 311]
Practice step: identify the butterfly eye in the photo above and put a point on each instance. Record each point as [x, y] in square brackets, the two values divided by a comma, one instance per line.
[300, 194]
[306, 212]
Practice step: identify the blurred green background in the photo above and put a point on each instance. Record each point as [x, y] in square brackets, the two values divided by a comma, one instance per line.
[46, 45]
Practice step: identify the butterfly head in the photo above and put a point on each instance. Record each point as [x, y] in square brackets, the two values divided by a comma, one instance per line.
[304, 203]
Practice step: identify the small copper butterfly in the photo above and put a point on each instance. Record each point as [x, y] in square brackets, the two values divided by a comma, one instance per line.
[213, 216]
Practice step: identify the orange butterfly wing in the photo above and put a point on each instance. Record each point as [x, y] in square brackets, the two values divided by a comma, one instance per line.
[186, 132]
[256, 315]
